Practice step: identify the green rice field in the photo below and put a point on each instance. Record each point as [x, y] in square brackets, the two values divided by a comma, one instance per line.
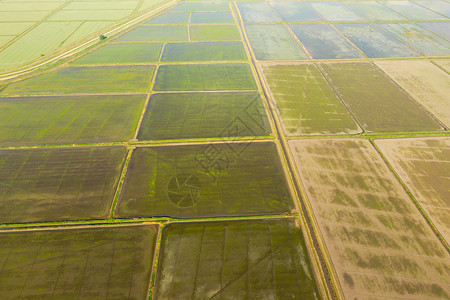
[58, 184]
[254, 259]
[203, 115]
[78, 262]
[224, 149]
[204, 181]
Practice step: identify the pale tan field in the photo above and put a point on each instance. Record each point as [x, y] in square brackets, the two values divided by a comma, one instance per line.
[424, 165]
[380, 245]
[425, 82]
[445, 63]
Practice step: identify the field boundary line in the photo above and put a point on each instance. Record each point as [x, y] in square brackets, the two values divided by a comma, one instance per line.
[156, 252]
[326, 283]
[120, 184]
[411, 196]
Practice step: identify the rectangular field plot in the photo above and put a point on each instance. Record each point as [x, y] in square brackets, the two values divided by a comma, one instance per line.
[212, 18]
[439, 6]
[77, 80]
[89, 263]
[257, 13]
[58, 184]
[70, 119]
[374, 11]
[194, 7]
[323, 42]
[413, 11]
[273, 42]
[214, 77]
[377, 103]
[173, 33]
[379, 243]
[295, 12]
[24, 16]
[440, 28]
[204, 51]
[122, 54]
[420, 38]
[424, 164]
[264, 259]
[425, 82]
[206, 180]
[202, 115]
[214, 33]
[18, 28]
[374, 42]
[90, 15]
[305, 101]
[335, 11]
[171, 18]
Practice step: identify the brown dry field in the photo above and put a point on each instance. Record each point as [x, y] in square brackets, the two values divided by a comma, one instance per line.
[445, 63]
[424, 166]
[425, 82]
[380, 245]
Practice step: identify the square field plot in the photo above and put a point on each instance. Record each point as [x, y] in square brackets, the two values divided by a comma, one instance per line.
[305, 101]
[379, 243]
[204, 51]
[198, 6]
[424, 164]
[204, 77]
[171, 18]
[122, 54]
[425, 82]
[374, 42]
[335, 11]
[175, 33]
[273, 42]
[212, 18]
[58, 184]
[80, 80]
[214, 33]
[374, 11]
[257, 13]
[264, 259]
[203, 115]
[69, 119]
[89, 263]
[323, 42]
[376, 101]
[419, 38]
[206, 180]
[295, 12]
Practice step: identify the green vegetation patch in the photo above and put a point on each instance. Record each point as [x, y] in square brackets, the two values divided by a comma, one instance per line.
[89, 263]
[122, 54]
[264, 259]
[305, 101]
[175, 33]
[273, 42]
[378, 103]
[206, 77]
[69, 119]
[171, 18]
[206, 180]
[211, 17]
[202, 115]
[204, 51]
[214, 33]
[210, 6]
[58, 184]
[75, 80]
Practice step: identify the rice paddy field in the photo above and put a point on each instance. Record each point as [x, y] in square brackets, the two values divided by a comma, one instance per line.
[225, 149]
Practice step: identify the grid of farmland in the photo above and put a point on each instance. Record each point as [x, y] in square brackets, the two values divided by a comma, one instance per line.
[231, 149]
